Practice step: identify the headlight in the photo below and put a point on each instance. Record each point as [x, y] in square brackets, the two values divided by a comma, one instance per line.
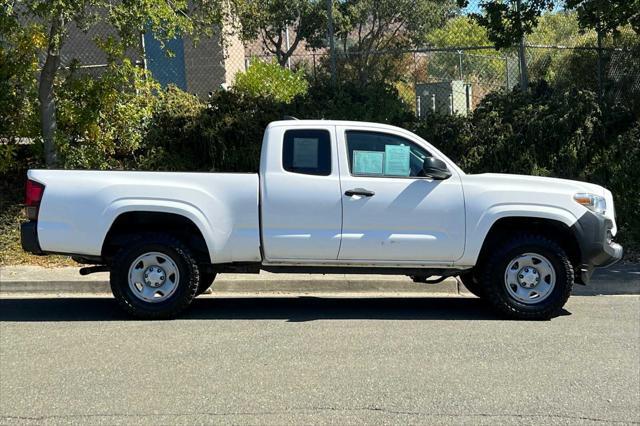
[593, 202]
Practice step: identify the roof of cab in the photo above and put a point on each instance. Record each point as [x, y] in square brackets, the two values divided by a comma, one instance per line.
[303, 123]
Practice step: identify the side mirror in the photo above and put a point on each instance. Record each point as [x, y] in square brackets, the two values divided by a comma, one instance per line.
[435, 169]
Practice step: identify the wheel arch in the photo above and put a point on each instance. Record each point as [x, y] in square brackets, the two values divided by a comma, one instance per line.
[555, 229]
[127, 224]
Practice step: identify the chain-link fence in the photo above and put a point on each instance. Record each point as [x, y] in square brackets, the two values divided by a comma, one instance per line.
[612, 72]
[455, 79]
[446, 79]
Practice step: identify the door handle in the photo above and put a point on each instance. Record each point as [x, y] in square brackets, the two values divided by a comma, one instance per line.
[359, 191]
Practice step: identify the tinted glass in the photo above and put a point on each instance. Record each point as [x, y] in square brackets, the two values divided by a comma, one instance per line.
[307, 152]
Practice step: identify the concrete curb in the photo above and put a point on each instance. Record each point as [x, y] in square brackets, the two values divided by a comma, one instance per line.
[16, 280]
[31, 279]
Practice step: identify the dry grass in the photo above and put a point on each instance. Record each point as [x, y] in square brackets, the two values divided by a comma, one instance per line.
[11, 252]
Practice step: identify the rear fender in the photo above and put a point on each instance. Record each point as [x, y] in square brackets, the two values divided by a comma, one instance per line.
[126, 205]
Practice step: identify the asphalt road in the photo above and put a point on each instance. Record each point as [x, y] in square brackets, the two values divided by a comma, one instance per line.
[319, 361]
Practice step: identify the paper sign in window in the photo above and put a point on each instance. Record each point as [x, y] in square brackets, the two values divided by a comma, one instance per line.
[396, 160]
[305, 153]
[368, 162]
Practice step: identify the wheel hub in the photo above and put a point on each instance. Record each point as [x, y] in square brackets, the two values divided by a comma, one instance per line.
[528, 277]
[154, 276]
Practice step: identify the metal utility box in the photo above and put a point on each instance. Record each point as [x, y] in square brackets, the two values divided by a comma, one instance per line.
[447, 97]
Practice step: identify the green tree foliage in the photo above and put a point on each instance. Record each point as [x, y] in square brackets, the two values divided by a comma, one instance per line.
[556, 28]
[508, 21]
[579, 67]
[19, 47]
[224, 135]
[617, 167]
[553, 28]
[365, 28]
[270, 80]
[128, 18]
[102, 121]
[459, 31]
[486, 65]
[269, 21]
[607, 16]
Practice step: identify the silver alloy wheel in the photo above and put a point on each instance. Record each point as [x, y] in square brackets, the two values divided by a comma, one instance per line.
[530, 278]
[153, 277]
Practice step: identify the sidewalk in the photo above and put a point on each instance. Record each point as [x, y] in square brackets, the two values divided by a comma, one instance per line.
[15, 280]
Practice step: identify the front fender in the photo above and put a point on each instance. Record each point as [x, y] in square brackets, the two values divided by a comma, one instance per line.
[478, 229]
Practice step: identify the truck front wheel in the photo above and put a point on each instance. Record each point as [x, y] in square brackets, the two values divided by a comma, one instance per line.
[206, 281]
[155, 277]
[528, 277]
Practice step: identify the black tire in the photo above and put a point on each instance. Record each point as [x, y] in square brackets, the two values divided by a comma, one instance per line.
[185, 289]
[472, 284]
[495, 288]
[206, 281]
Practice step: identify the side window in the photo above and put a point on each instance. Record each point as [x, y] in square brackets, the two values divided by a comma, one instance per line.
[382, 154]
[307, 151]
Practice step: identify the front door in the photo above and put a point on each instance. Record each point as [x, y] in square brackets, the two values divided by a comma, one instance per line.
[391, 212]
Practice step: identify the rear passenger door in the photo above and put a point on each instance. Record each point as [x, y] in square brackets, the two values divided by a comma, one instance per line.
[300, 194]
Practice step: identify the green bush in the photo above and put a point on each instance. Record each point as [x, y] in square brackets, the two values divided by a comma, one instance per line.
[617, 168]
[102, 121]
[549, 132]
[376, 101]
[270, 80]
[19, 47]
[233, 126]
[173, 141]
[226, 134]
[451, 134]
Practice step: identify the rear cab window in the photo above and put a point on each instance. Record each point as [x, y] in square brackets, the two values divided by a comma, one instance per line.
[307, 151]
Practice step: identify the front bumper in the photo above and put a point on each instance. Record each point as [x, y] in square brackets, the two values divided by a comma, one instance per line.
[29, 238]
[593, 233]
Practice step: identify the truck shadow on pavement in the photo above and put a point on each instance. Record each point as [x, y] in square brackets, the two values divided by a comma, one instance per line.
[291, 309]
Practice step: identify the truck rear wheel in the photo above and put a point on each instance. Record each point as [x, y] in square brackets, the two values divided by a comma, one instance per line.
[528, 277]
[156, 277]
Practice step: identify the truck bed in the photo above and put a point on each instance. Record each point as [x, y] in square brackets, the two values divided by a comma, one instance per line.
[78, 207]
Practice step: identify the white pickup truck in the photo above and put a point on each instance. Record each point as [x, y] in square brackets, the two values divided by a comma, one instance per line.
[330, 197]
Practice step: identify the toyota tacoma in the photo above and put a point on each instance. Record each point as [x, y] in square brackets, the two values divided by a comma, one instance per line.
[330, 197]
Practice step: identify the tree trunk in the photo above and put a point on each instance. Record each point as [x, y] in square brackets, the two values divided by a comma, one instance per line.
[282, 58]
[46, 95]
